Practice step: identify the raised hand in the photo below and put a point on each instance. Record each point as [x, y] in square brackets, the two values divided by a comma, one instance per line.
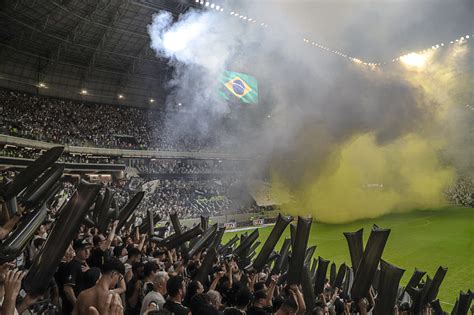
[274, 278]
[13, 283]
[4, 269]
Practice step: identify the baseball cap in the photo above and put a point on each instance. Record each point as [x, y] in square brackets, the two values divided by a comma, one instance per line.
[81, 243]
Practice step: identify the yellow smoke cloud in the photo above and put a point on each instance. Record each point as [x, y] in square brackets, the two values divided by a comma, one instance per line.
[370, 180]
[365, 179]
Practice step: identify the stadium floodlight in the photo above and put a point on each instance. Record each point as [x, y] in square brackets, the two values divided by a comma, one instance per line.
[222, 9]
[42, 85]
[413, 60]
[207, 3]
[212, 5]
[179, 104]
[218, 7]
[83, 91]
[151, 100]
[467, 36]
[120, 96]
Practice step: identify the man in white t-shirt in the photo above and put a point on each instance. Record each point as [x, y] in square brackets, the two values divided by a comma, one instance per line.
[157, 295]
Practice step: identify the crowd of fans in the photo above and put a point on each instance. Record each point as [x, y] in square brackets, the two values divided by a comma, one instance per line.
[143, 165]
[84, 124]
[130, 267]
[187, 198]
[181, 166]
[461, 193]
[193, 198]
[33, 153]
[125, 272]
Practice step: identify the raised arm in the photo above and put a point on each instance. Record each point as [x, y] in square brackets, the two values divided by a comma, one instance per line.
[110, 238]
[142, 242]
[271, 290]
[218, 277]
[298, 296]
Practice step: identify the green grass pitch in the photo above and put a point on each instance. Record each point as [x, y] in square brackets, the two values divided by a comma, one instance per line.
[423, 239]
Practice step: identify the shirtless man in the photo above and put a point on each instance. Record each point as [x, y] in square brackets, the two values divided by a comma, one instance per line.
[113, 272]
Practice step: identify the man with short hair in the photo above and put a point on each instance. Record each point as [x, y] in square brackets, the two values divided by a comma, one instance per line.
[74, 274]
[157, 295]
[113, 273]
[176, 290]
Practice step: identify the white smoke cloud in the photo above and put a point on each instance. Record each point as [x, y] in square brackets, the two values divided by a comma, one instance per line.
[195, 39]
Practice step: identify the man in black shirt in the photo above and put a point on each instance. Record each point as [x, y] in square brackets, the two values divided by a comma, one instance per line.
[134, 289]
[101, 245]
[97, 257]
[176, 290]
[74, 274]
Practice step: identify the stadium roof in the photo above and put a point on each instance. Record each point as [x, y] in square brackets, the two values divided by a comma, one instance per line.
[100, 47]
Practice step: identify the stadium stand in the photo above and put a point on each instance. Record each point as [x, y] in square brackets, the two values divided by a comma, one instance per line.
[83, 124]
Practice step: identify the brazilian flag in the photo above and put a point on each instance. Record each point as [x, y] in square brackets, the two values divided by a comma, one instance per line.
[239, 85]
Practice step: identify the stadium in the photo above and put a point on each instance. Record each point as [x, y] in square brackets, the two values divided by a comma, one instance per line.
[236, 157]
